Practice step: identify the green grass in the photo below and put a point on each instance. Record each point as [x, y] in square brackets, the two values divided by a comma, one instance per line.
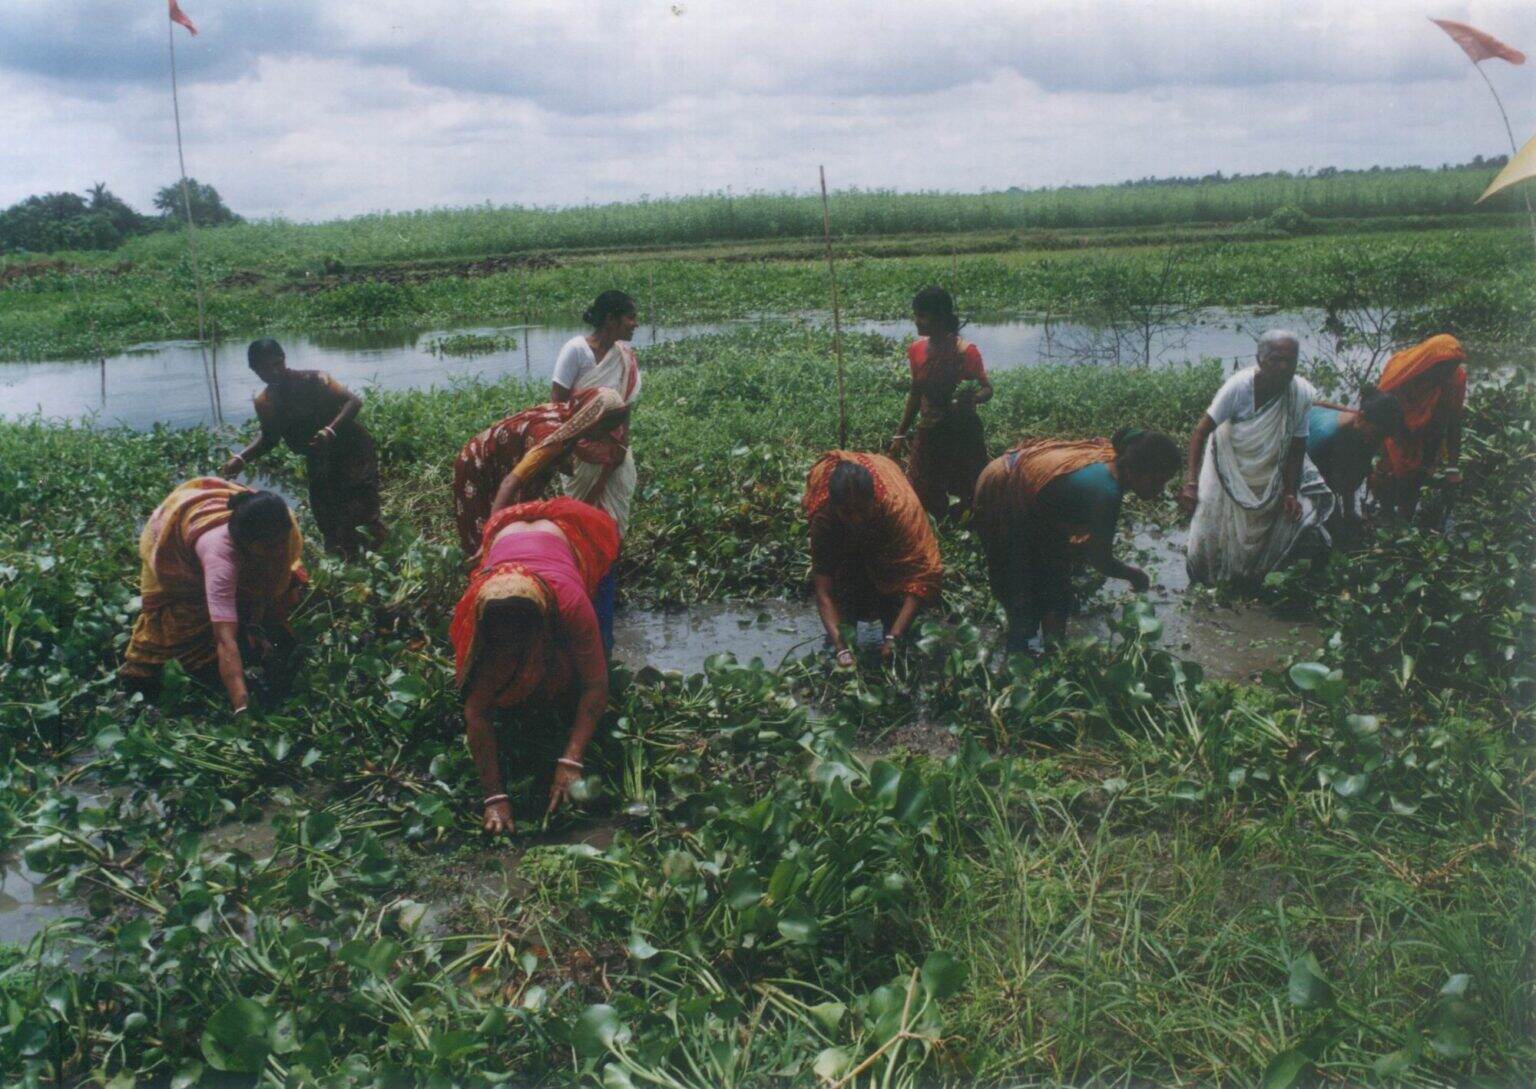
[471, 232]
[1479, 283]
[1125, 874]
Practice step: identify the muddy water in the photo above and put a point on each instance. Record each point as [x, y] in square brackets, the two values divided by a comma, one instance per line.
[27, 905]
[173, 383]
[772, 631]
[1230, 642]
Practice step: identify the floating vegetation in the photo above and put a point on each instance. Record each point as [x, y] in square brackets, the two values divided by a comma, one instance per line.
[471, 343]
[1114, 870]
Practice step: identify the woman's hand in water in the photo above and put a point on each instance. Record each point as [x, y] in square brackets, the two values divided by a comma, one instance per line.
[498, 818]
[560, 787]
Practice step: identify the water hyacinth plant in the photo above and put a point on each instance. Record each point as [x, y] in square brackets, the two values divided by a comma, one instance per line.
[1100, 867]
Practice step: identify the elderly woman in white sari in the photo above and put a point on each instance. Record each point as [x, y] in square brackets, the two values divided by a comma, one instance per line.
[1251, 489]
[603, 359]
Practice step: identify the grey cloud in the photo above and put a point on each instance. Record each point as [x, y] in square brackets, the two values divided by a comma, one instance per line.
[618, 58]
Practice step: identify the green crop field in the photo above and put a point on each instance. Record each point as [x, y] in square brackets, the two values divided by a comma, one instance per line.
[721, 217]
[1480, 283]
[1104, 868]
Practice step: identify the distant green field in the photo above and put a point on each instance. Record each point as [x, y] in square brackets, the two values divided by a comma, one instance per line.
[720, 217]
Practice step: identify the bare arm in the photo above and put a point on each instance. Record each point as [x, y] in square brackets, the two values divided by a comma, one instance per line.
[589, 709]
[983, 391]
[1101, 555]
[1190, 495]
[349, 410]
[1453, 447]
[231, 665]
[263, 443]
[1293, 459]
[558, 393]
[908, 414]
[830, 620]
[909, 606]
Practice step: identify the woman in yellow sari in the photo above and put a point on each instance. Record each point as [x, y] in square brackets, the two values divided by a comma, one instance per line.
[219, 561]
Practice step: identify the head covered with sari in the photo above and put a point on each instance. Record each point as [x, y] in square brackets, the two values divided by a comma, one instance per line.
[896, 546]
[1424, 402]
[594, 541]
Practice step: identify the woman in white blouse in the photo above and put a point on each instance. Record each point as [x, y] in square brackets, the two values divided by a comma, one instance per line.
[603, 358]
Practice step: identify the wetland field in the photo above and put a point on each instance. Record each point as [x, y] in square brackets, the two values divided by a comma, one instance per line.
[1279, 838]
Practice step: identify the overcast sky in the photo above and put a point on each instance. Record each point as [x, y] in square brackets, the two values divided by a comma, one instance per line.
[312, 109]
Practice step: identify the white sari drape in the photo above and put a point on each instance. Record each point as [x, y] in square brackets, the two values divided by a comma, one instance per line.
[609, 488]
[1240, 529]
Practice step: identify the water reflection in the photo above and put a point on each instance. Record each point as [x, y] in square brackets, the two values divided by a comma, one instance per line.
[176, 384]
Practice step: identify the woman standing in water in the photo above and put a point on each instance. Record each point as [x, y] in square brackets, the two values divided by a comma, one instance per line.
[317, 417]
[603, 359]
[948, 451]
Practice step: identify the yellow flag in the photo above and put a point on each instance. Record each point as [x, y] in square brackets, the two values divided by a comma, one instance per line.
[1522, 166]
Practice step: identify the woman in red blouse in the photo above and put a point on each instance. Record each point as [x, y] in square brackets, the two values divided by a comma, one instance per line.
[948, 381]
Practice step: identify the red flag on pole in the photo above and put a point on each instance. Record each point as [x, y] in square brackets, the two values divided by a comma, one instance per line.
[1477, 45]
[179, 16]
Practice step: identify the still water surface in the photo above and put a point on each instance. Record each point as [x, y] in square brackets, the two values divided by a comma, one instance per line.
[170, 384]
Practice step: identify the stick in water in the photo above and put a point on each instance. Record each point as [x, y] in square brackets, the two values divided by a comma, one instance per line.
[186, 202]
[837, 316]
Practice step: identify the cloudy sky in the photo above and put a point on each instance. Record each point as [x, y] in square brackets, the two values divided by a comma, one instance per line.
[312, 109]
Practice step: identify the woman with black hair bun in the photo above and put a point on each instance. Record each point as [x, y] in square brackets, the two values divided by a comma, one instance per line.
[948, 381]
[601, 359]
[605, 476]
[1049, 504]
[219, 561]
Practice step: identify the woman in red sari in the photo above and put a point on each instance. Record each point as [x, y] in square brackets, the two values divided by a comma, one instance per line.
[948, 381]
[1431, 383]
[525, 633]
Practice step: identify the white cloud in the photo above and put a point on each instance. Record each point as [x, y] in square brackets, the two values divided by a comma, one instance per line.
[314, 110]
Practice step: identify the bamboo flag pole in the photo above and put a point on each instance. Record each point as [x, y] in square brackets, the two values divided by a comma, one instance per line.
[1514, 150]
[522, 284]
[1480, 46]
[837, 316]
[186, 202]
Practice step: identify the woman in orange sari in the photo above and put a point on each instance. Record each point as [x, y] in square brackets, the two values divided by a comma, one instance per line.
[525, 633]
[873, 554]
[219, 561]
[1431, 382]
[1048, 504]
[516, 459]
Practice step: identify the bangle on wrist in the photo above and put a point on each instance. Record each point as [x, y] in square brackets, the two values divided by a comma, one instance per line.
[237, 457]
[568, 762]
[242, 709]
[494, 799]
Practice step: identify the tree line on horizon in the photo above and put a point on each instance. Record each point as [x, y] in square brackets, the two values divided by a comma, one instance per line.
[101, 220]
